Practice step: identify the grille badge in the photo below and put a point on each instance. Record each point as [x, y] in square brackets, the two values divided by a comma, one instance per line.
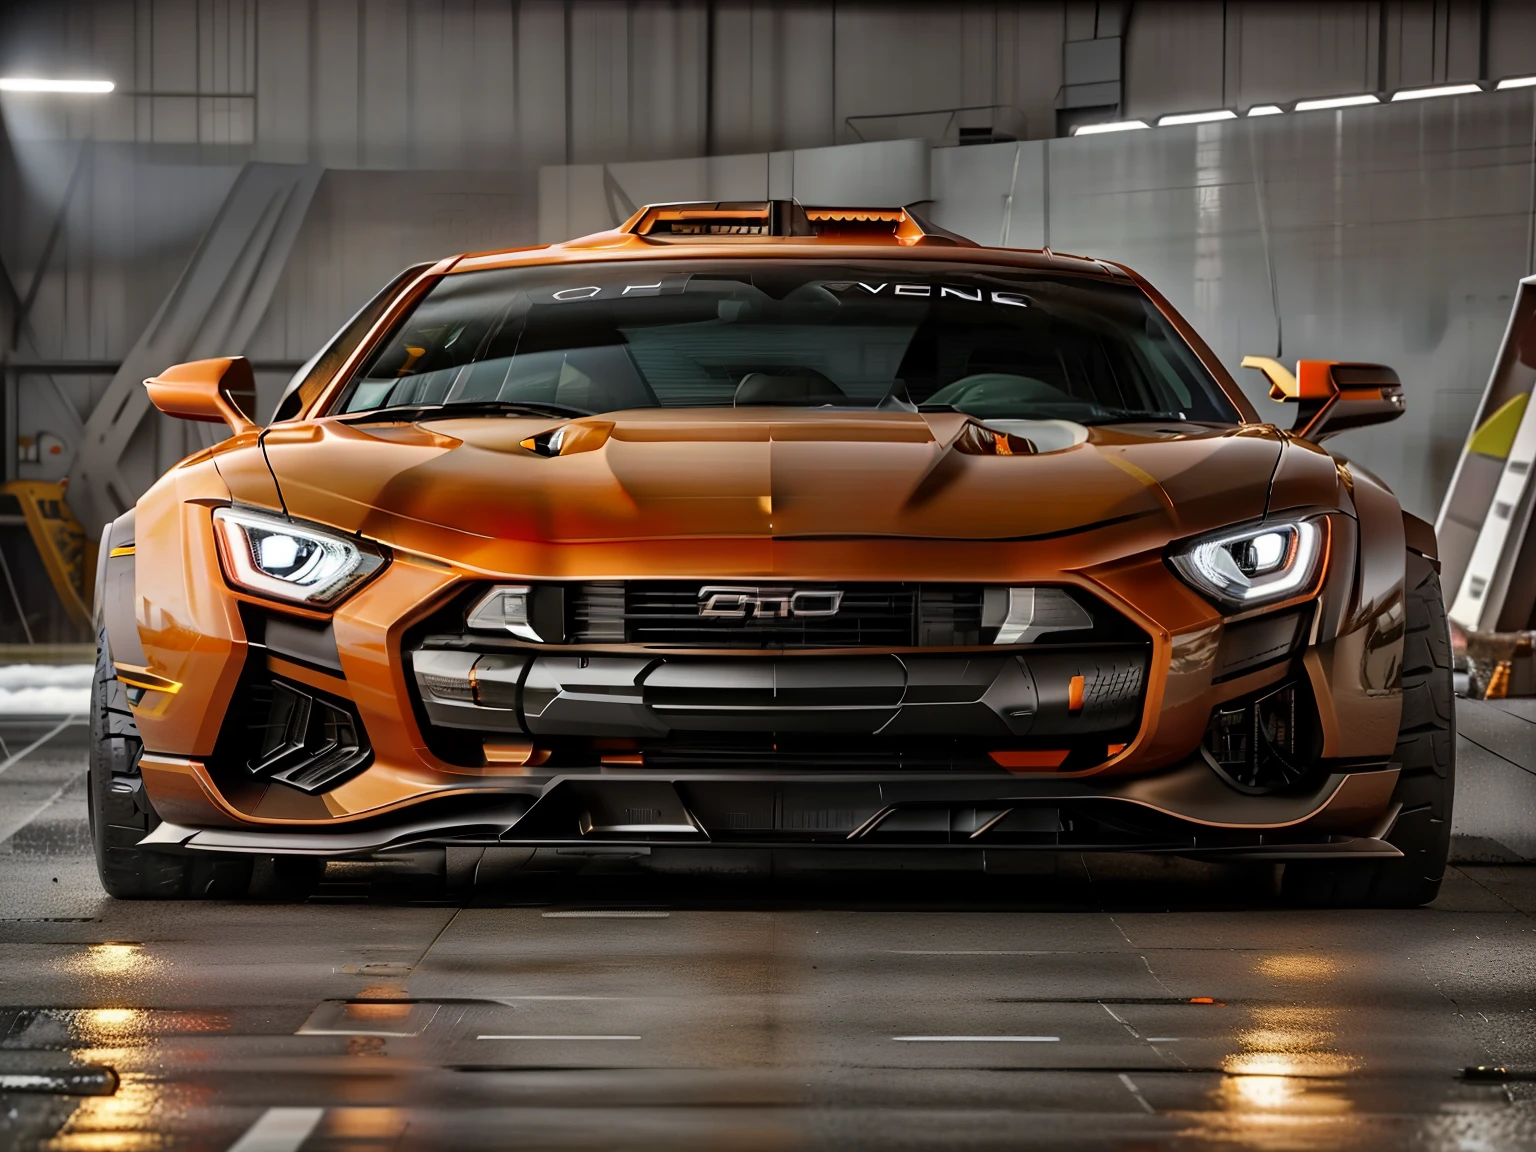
[740, 602]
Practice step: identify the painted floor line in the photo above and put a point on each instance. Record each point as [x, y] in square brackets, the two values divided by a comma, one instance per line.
[40, 741]
[965, 952]
[977, 1039]
[1130, 1086]
[614, 914]
[557, 1037]
[279, 1130]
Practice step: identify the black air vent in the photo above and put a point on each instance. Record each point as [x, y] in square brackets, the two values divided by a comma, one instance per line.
[307, 741]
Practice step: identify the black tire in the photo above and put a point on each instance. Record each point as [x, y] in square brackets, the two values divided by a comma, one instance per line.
[1426, 750]
[121, 815]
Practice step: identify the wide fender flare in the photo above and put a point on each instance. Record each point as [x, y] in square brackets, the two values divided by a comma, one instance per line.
[1358, 674]
[115, 575]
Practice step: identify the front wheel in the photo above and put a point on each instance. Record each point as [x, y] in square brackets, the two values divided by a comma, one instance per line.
[121, 815]
[1426, 752]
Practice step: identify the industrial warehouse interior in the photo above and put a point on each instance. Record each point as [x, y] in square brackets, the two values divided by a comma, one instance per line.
[671, 574]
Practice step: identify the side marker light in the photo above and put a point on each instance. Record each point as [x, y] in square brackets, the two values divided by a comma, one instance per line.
[1075, 694]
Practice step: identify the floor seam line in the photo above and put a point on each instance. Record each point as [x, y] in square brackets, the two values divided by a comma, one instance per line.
[40, 741]
[1512, 907]
[422, 959]
[1472, 740]
[45, 805]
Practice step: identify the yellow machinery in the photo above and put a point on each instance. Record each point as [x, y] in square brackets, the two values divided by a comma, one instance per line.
[67, 553]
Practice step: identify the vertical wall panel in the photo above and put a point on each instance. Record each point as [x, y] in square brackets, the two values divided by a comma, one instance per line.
[335, 66]
[1033, 77]
[1176, 61]
[894, 60]
[978, 59]
[807, 111]
[385, 89]
[600, 76]
[731, 94]
[1293, 49]
[490, 108]
[666, 83]
[541, 110]
[284, 79]
[1512, 39]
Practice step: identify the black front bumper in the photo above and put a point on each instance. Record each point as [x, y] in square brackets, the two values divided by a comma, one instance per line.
[1187, 811]
[1058, 694]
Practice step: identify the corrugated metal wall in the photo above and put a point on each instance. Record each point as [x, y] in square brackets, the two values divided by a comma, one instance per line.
[502, 83]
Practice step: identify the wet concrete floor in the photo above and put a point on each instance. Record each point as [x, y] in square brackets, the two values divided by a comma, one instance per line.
[1116, 1003]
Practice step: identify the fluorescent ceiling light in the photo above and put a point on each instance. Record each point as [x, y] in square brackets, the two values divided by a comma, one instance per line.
[1427, 93]
[1197, 117]
[1518, 82]
[1266, 110]
[1112, 126]
[30, 84]
[1335, 102]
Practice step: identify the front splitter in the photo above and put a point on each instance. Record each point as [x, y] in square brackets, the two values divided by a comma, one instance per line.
[1188, 811]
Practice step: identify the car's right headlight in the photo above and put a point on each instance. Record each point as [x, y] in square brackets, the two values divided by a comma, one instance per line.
[280, 558]
[1241, 568]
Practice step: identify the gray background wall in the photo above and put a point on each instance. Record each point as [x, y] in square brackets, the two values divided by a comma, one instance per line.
[1391, 233]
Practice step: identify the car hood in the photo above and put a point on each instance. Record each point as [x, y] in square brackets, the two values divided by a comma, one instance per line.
[457, 486]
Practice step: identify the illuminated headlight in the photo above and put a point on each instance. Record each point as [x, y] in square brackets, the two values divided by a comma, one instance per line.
[505, 607]
[1244, 567]
[287, 560]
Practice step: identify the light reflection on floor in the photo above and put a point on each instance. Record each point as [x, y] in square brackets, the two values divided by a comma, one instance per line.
[112, 962]
[140, 1117]
[767, 1023]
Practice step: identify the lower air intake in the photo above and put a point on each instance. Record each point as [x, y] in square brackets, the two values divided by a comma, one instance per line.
[308, 742]
[1266, 743]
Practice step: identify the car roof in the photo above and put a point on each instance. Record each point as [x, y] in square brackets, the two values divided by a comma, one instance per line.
[782, 229]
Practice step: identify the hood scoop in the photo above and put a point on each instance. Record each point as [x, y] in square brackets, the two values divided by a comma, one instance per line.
[569, 439]
[979, 440]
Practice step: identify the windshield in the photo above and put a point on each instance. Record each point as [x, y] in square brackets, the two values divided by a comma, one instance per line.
[998, 343]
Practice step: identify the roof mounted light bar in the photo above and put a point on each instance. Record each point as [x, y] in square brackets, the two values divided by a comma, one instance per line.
[758, 219]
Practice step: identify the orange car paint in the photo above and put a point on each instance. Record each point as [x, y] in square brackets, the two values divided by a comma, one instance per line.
[738, 493]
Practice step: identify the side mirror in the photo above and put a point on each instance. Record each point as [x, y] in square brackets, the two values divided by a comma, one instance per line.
[1332, 397]
[216, 391]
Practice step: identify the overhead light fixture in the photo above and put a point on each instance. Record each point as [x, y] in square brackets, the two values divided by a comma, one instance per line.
[1266, 110]
[1196, 117]
[32, 84]
[1112, 126]
[1517, 82]
[1429, 93]
[1336, 102]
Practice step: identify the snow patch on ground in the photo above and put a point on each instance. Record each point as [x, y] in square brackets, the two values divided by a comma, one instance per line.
[45, 689]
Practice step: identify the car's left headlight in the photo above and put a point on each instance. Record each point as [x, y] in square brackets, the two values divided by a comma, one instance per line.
[287, 560]
[1241, 568]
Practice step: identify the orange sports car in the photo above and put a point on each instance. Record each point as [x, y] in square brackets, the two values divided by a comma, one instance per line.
[765, 527]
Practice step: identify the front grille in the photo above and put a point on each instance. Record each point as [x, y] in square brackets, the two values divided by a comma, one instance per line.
[667, 614]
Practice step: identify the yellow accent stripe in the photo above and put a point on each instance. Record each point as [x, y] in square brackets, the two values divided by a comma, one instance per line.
[139, 678]
[122, 550]
[1497, 435]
